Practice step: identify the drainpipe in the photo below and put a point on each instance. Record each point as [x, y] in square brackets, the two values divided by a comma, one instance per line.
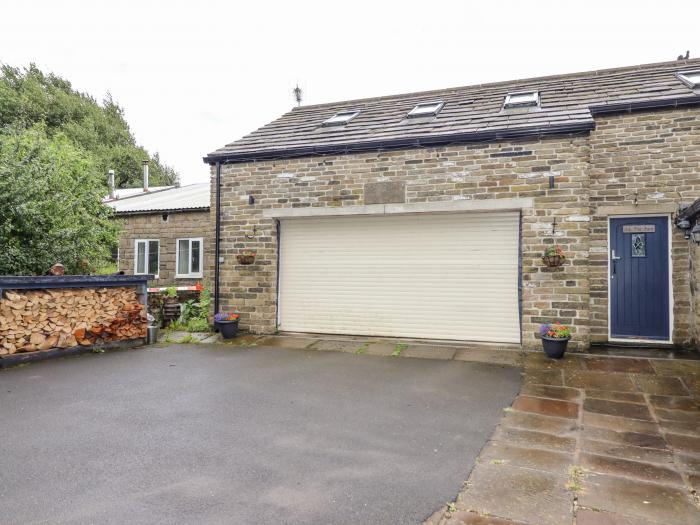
[145, 175]
[110, 183]
[217, 237]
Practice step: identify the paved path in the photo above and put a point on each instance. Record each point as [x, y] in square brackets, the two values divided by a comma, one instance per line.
[225, 434]
[591, 441]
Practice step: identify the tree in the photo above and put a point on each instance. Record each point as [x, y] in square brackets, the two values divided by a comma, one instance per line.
[29, 98]
[51, 208]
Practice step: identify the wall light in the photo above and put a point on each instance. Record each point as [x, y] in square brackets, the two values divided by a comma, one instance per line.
[695, 232]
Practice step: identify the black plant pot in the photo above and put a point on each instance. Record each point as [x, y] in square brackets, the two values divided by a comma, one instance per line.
[554, 347]
[228, 329]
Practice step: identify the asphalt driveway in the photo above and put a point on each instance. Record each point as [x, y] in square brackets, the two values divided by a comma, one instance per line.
[214, 434]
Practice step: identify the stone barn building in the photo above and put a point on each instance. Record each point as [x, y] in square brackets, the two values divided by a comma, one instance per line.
[426, 215]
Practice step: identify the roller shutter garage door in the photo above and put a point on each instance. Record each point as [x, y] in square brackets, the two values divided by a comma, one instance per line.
[436, 276]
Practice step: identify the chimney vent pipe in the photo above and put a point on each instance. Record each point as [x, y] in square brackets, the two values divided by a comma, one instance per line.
[145, 175]
[110, 183]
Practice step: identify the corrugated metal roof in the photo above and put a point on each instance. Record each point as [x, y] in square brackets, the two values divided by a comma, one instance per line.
[191, 197]
[473, 110]
[130, 192]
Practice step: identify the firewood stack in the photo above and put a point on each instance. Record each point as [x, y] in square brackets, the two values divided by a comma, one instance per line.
[32, 320]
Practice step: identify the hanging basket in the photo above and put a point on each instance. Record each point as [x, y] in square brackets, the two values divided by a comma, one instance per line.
[245, 258]
[553, 261]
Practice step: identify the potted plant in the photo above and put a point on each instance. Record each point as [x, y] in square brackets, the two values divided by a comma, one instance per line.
[555, 336]
[246, 257]
[553, 256]
[227, 323]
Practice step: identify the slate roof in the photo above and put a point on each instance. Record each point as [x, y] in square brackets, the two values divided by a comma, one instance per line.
[472, 113]
[184, 198]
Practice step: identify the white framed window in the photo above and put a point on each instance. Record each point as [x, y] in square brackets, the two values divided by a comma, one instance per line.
[426, 109]
[690, 78]
[189, 255]
[340, 119]
[146, 257]
[522, 99]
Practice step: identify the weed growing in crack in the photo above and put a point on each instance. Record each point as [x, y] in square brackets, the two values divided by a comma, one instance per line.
[362, 349]
[400, 347]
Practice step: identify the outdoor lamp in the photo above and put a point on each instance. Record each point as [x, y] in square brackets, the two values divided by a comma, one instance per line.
[695, 232]
[684, 224]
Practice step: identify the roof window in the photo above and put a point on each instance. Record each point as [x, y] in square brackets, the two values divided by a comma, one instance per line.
[426, 109]
[522, 99]
[341, 118]
[690, 78]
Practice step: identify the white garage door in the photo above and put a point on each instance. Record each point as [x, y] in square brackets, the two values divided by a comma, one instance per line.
[442, 276]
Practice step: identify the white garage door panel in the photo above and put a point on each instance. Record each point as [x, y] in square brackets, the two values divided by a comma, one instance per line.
[452, 276]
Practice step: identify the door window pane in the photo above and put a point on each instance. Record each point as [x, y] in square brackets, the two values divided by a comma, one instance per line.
[153, 257]
[183, 247]
[639, 245]
[195, 257]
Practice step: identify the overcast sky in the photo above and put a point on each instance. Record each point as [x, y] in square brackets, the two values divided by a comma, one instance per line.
[195, 75]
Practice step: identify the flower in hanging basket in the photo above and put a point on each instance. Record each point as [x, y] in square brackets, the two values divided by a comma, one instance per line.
[553, 256]
[246, 257]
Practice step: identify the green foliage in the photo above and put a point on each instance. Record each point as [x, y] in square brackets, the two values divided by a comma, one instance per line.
[51, 205]
[171, 292]
[56, 145]
[29, 98]
[194, 315]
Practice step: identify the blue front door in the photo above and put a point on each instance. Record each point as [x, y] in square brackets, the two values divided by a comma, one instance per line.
[639, 299]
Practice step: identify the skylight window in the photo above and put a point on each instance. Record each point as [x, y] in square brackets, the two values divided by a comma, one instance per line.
[690, 78]
[522, 99]
[427, 109]
[340, 119]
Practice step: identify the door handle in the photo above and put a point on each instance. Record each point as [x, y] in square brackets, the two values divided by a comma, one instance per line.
[614, 260]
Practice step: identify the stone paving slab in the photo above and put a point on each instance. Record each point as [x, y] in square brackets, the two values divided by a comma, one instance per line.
[599, 380]
[639, 499]
[614, 450]
[615, 408]
[551, 392]
[626, 366]
[287, 342]
[547, 407]
[667, 386]
[507, 491]
[547, 460]
[550, 425]
[529, 438]
[635, 439]
[630, 469]
[610, 395]
[598, 517]
[428, 351]
[500, 357]
[619, 424]
[681, 427]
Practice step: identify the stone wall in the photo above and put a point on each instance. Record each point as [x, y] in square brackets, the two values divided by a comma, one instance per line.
[178, 225]
[694, 286]
[643, 163]
[631, 164]
[466, 172]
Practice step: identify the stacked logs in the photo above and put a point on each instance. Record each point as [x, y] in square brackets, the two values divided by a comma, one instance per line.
[32, 320]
